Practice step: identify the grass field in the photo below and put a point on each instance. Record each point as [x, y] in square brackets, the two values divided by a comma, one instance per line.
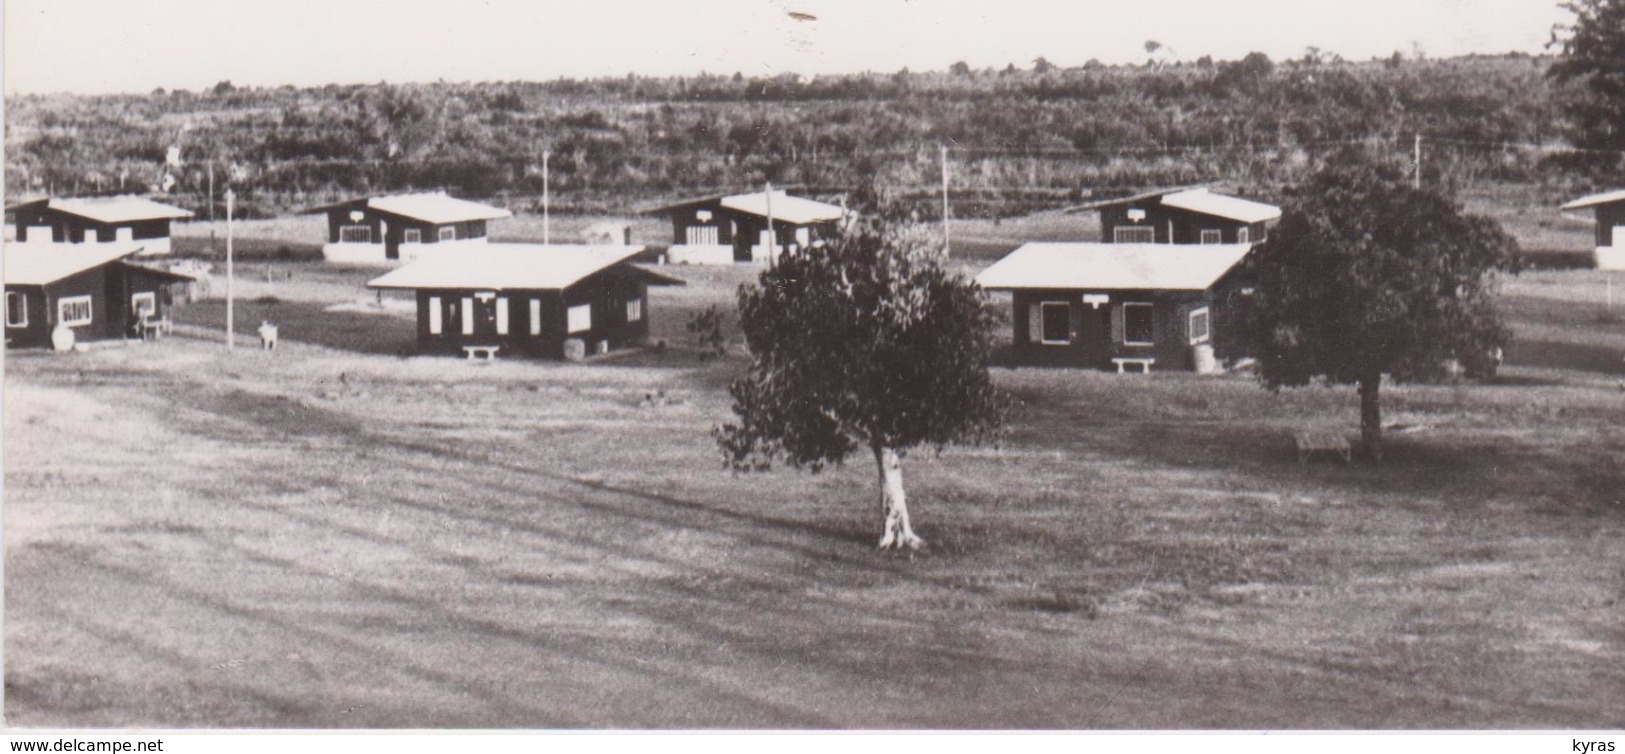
[335, 535]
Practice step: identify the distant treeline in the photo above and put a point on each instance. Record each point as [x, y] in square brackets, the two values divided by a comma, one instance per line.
[1018, 139]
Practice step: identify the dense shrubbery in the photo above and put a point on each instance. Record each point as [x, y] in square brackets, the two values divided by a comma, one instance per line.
[1020, 139]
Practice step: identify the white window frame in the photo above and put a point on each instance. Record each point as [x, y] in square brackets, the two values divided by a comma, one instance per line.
[365, 231]
[701, 235]
[1211, 236]
[436, 314]
[578, 318]
[1126, 328]
[149, 298]
[1244, 235]
[22, 306]
[1207, 325]
[502, 315]
[535, 316]
[467, 315]
[62, 305]
[1043, 335]
[1119, 232]
[448, 233]
[412, 235]
[634, 310]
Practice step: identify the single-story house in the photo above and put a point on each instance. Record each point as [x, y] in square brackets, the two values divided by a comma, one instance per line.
[1610, 210]
[92, 290]
[97, 219]
[528, 299]
[1139, 306]
[1182, 216]
[387, 229]
[728, 229]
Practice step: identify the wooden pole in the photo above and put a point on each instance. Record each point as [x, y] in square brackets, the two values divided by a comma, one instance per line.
[547, 213]
[945, 239]
[211, 192]
[772, 242]
[231, 279]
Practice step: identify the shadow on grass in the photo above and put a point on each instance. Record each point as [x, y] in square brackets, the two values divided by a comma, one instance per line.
[306, 322]
[1572, 356]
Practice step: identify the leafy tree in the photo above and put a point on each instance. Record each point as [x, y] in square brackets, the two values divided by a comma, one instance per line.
[1367, 276]
[960, 68]
[1042, 65]
[1594, 56]
[867, 342]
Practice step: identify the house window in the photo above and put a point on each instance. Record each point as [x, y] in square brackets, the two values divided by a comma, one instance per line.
[535, 316]
[467, 313]
[412, 235]
[1264, 234]
[435, 313]
[355, 234]
[144, 304]
[1134, 234]
[634, 310]
[702, 235]
[448, 233]
[502, 316]
[16, 309]
[1243, 235]
[1212, 236]
[1057, 319]
[1199, 326]
[73, 311]
[579, 318]
[1138, 324]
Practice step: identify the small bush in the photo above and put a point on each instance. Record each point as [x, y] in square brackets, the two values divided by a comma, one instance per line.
[707, 328]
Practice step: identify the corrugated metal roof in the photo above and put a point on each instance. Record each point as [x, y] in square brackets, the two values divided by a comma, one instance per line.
[791, 209]
[1130, 199]
[437, 208]
[42, 263]
[786, 208]
[113, 209]
[1593, 200]
[1219, 205]
[1114, 266]
[511, 266]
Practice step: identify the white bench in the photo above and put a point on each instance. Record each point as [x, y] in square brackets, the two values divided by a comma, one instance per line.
[1310, 442]
[1143, 362]
[488, 353]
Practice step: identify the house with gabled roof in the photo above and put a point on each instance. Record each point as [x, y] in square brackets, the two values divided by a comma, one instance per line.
[725, 229]
[82, 292]
[122, 219]
[1167, 273]
[1188, 215]
[1610, 213]
[528, 299]
[400, 228]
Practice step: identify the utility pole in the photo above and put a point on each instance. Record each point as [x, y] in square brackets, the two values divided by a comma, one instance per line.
[211, 191]
[547, 216]
[945, 239]
[231, 279]
[772, 239]
[1416, 162]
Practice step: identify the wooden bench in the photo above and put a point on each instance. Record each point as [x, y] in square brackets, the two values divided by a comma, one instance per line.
[1310, 443]
[1143, 362]
[488, 353]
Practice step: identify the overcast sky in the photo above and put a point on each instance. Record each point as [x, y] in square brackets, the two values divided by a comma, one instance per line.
[138, 45]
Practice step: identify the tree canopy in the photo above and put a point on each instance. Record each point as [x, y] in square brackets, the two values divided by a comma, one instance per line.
[1593, 49]
[867, 342]
[1366, 276]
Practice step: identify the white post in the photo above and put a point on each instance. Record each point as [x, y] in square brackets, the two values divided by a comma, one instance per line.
[231, 279]
[547, 216]
[945, 239]
[1416, 161]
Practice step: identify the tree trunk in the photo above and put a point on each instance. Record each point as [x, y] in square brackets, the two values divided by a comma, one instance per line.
[1371, 417]
[898, 532]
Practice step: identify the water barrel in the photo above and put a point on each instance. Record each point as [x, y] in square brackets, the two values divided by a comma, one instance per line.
[1202, 356]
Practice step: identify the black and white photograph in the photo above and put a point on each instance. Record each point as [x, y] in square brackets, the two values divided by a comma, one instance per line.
[814, 365]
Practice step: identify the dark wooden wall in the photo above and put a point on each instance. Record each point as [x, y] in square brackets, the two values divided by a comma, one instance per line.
[607, 292]
[1094, 340]
[67, 228]
[1186, 226]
